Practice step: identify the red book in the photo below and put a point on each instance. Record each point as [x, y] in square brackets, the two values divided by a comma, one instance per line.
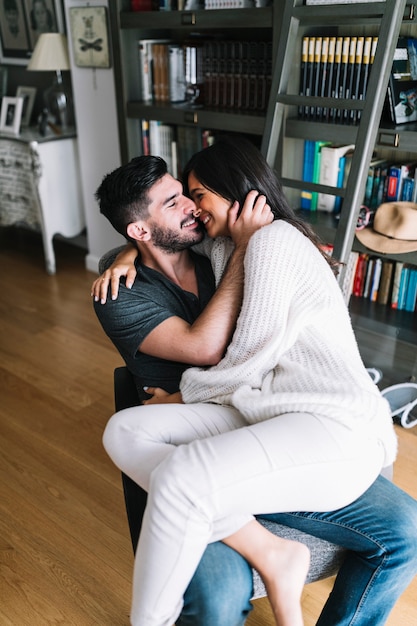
[360, 274]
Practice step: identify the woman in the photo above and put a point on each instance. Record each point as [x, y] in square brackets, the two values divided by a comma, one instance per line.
[308, 428]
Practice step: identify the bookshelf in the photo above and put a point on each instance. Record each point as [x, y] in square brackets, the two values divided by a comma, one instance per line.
[258, 24]
[387, 338]
[279, 130]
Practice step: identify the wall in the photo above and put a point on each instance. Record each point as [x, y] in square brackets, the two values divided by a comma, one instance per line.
[98, 141]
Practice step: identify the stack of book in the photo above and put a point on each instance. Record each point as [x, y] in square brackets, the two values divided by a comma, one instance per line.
[385, 282]
[329, 164]
[212, 73]
[335, 67]
[326, 164]
[175, 144]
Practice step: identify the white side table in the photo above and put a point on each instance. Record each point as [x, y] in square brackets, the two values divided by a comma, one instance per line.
[40, 186]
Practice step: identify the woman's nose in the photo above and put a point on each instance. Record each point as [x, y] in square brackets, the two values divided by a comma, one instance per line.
[196, 211]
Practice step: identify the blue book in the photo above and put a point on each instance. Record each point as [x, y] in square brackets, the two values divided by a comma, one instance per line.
[402, 293]
[407, 190]
[308, 168]
[410, 300]
[340, 179]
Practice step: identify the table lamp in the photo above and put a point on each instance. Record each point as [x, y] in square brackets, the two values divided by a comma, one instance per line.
[51, 54]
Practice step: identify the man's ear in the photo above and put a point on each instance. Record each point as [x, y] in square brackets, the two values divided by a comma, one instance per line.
[139, 231]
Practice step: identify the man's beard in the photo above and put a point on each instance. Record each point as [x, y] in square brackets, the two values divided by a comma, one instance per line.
[171, 241]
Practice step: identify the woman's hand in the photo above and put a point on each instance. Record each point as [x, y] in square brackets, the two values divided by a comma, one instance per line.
[123, 265]
[160, 396]
[255, 214]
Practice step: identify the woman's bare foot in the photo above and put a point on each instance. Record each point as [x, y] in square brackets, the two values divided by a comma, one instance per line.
[282, 564]
[284, 571]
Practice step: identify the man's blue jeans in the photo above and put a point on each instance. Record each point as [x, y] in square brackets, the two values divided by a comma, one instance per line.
[379, 530]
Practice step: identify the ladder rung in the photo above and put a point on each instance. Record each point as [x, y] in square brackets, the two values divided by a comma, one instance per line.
[334, 103]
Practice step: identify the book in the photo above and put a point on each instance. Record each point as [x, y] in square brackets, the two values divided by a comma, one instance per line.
[176, 73]
[407, 191]
[145, 137]
[364, 71]
[343, 75]
[337, 66]
[411, 295]
[396, 283]
[368, 277]
[349, 277]
[161, 137]
[376, 278]
[385, 282]
[396, 175]
[402, 290]
[146, 69]
[318, 2]
[328, 86]
[318, 145]
[356, 79]
[414, 199]
[308, 169]
[350, 74]
[372, 180]
[360, 273]
[309, 73]
[331, 173]
[322, 74]
[303, 73]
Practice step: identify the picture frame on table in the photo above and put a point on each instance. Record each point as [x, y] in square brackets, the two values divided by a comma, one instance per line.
[11, 115]
[21, 24]
[90, 36]
[28, 94]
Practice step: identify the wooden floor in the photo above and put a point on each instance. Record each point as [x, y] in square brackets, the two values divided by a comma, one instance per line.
[65, 556]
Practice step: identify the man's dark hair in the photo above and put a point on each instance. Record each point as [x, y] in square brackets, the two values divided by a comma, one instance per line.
[123, 194]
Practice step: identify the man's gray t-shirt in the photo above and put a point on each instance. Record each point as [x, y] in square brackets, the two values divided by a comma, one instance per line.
[152, 299]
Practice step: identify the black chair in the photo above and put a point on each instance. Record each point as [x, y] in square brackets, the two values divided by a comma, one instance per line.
[126, 396]
[326, 557]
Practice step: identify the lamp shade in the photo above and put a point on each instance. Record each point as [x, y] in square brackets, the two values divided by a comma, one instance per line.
[50, 53]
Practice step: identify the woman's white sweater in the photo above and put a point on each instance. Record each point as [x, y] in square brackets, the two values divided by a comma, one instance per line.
[293, 349]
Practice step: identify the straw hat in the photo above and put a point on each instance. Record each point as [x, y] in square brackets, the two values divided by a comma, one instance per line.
[394, 229]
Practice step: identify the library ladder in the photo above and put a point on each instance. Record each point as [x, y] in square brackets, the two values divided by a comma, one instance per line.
[388, 17]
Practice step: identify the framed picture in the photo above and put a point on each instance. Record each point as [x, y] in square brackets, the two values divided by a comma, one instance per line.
[11, 114]
[28, 94]
[21, 23]
[89, 36]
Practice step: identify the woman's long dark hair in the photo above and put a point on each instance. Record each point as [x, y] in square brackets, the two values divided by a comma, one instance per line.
[232, 167]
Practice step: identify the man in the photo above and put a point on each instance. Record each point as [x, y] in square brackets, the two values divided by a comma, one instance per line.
[167, 321]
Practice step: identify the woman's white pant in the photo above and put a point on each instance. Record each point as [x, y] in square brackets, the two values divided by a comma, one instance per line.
[207, 473]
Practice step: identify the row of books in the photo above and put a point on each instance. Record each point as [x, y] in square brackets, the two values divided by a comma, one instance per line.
[212, 73]
[326, 164]
[335, 67]
[195, 5]
[390, 182]
[175, 144]
[317, 2]
[389, 283]
[329, 164]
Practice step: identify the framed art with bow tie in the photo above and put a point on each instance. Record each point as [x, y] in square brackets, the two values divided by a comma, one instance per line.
[90, 37]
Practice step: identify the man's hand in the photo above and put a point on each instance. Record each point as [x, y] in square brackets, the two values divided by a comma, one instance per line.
[123, 265]
[255, 213]
[160, 396]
